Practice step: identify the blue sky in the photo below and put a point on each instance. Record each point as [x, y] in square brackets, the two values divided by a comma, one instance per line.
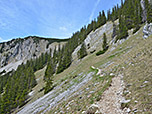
[47, 18]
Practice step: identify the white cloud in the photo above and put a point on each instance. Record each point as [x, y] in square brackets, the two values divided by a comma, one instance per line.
[63, 28]
[93, 11]
[1, 39]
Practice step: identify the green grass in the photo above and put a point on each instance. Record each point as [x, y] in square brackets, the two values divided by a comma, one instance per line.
[100, 52]
[122, 56]
[81, 101]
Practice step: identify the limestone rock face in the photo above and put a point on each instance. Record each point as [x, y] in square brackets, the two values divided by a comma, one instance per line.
[94, 40]
[24, 49]
[147, 30]
[144, 15]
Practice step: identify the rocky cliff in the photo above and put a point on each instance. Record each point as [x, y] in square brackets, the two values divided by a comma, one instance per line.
[144, 15]
[147, 30]
[94, 40]
[20, 50]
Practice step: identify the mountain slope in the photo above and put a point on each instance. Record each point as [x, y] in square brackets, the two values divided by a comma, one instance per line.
[17, 51]
[78, 78]
[79, 87]
[120, 61]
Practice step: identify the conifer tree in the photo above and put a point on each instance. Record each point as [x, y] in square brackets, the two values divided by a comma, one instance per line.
[137, 15]
[99, 20]
[149, 13]
[122, 3]
[94, 25]
[108, 15]
[82, 52]
[48, 78]
[114, 33]
[103, 18]
[104, 45]
[123, 30]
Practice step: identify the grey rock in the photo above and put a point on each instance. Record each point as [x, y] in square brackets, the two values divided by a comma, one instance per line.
[112, 74]
[147, 30]
[135, 110]
[125, 101]
[144, 16]
[95, 39]
[145, 82]
[54, 97]
[136, 101]
[92, 109]
[23, 50]
[128, 110]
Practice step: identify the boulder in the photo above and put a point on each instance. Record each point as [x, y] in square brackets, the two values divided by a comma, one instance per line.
[147, 30]
[93, 109]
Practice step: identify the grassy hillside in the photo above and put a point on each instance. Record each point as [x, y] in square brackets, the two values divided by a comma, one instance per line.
[132, 59]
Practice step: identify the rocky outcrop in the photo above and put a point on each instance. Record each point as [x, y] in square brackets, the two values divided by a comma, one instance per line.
[144, 15]
[147, 30]
[95, 38]
[25, 49]
[56, 96]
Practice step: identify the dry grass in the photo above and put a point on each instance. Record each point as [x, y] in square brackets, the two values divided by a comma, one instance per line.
[37, 93]
[131, 58]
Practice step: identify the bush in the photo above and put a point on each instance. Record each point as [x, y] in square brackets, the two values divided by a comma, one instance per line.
[100, 52]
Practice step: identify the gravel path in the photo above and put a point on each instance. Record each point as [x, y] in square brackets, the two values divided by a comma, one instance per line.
[110, 102]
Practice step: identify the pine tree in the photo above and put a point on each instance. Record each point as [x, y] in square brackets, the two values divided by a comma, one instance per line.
[146, 4]
[99, 20]
[49, 86]
[123, 30]
[149, 13]
[122, 3]
[104, 45]
[137, 16]
[82, 52]
[103, 18]
[48, 78]
[108, 15]
[129, 14]
[114, 33]
[94, 25]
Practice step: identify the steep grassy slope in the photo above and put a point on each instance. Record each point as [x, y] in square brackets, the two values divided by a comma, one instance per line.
[79, 86]
[132, 59]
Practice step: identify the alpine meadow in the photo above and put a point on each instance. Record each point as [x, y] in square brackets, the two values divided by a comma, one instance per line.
[103, 68]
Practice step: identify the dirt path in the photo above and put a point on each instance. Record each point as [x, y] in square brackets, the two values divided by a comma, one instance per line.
[111, 98]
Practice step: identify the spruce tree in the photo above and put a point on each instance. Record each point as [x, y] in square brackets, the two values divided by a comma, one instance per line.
[99, 20]
[94, 25]
[82, 52]
[104, 45]
[149, 13]
[137, 16]
[103, 18]
[129, 14]
[123, 30]
[108, 15]
[114, 33]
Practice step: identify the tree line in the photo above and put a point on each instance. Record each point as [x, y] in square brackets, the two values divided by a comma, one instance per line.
[129, 15]
[16, 85]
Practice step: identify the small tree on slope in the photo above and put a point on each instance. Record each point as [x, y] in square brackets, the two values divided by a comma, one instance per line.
[104, 45]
